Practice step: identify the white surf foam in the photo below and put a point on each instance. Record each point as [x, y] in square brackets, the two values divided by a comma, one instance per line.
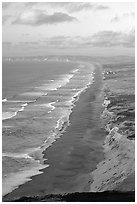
[16, 155]
[62, 122]
[4, 100]
[13, 180]
[33, 94]
[75, 70]
[16, 101]
[56, 84]
[47, 105]
[8, 115]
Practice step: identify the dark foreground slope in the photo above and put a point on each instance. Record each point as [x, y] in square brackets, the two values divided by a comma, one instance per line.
[108, 196]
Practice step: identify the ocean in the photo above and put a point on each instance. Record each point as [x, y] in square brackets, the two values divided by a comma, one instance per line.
[37, 100]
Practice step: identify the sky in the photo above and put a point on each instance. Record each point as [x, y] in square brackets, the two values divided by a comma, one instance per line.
[68, 28]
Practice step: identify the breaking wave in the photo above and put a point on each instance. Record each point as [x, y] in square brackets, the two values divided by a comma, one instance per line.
[60, 106]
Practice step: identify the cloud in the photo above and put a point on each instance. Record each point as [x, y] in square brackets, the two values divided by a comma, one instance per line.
[26, 34]
[38, 17]
[100, 39]
[76, 7]
[27, 45]
[6, 45]
[5, 5]
[111, 38]
[61, 42]
[132, 14]
[103, 39]
[5, 18]
[73, 7]
[70, 7]
[124, 16]
[100, 7]
[30, 4]
[115, 19]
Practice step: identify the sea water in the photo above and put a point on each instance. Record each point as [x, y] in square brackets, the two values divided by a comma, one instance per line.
[38, 98]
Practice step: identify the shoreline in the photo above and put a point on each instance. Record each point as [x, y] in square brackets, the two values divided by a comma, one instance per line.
[93, 157]
[67, 141]
[61, 131]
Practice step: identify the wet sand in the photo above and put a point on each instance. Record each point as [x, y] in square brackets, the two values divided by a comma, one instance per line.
[76, 153]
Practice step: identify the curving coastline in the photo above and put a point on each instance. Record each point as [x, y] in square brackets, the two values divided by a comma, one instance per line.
[70, 156]
[78, 155]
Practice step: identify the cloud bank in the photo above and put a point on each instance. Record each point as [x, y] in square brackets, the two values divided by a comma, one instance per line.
[100, 39]
[5, 18]
[73, 7]
[111, 38]
[106, 39]
[38, 17]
